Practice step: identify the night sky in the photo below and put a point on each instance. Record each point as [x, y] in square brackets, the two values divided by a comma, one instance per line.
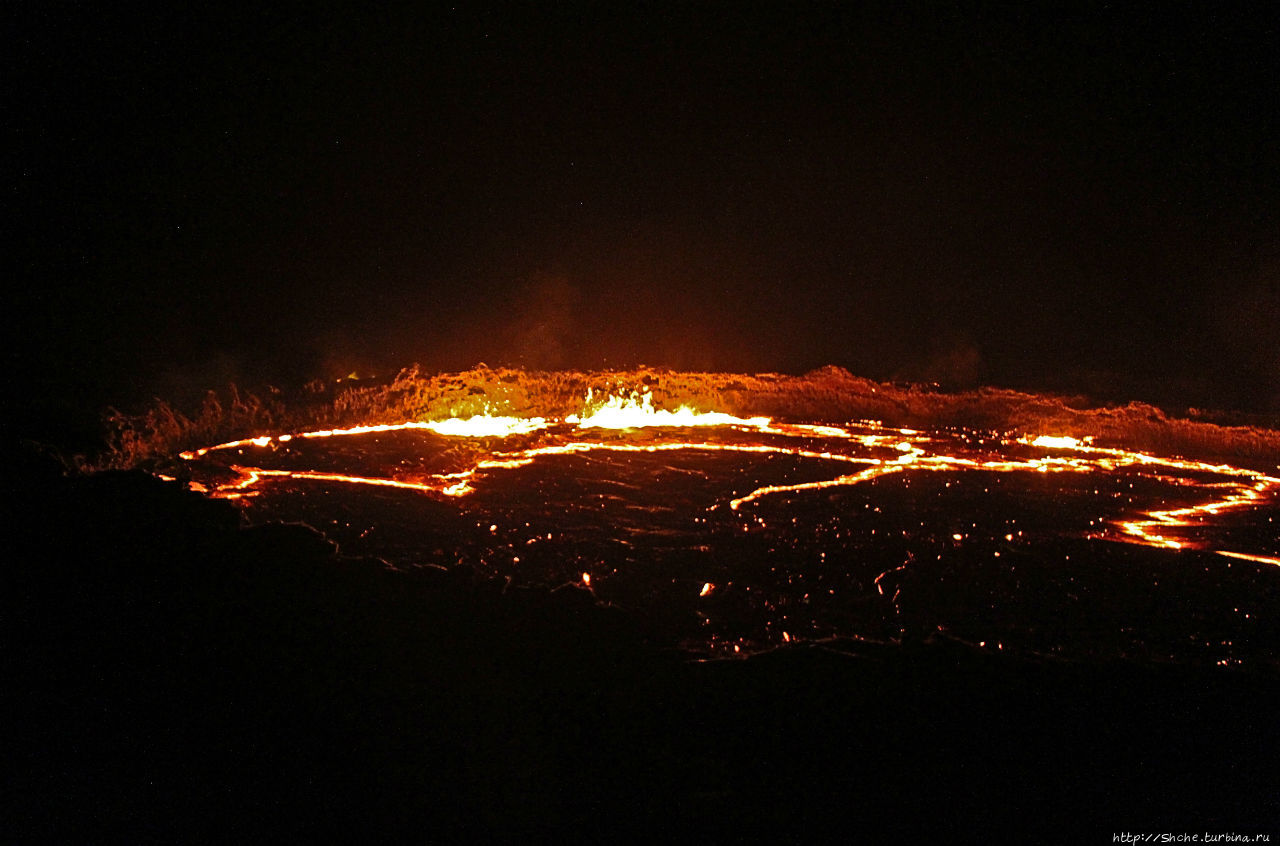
[1080, 200]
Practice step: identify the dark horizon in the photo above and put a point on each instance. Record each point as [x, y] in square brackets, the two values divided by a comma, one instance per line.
[1072, 201]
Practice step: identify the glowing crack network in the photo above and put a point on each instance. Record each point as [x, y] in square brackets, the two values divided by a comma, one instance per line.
[865, 449]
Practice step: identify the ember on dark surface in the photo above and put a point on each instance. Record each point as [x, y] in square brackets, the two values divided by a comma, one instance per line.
[1019, 612]
[172, 673]
[731, 534]
[1037, 601]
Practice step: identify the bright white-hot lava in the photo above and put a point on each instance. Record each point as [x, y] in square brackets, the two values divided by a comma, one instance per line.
[1058, 441]
[476, 426]
[869, 450]
[635, 411]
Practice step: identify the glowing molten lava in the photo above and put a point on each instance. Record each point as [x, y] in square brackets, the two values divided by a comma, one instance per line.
[868, 450]
[476, 426]
[1058, 442]
[636, 411]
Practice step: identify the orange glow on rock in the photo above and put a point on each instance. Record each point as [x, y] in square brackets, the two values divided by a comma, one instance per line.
[873, 452]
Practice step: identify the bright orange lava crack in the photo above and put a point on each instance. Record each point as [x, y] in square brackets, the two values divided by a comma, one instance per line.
[1243, 488]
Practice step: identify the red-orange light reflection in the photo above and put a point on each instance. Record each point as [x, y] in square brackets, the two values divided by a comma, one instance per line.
[876, 451]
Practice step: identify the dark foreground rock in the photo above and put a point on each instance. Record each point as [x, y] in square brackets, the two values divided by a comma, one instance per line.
[174, 678]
